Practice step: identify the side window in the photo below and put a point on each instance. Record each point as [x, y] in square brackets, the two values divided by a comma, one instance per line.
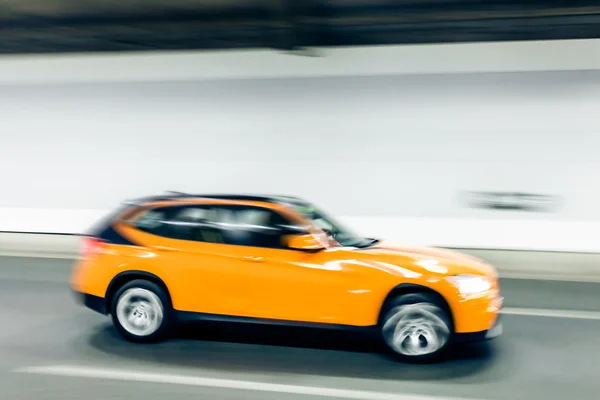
[234, 225]
[195, 223]
[153, 222]
[251, 226]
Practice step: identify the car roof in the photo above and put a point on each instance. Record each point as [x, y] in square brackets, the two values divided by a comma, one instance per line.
[182, 197]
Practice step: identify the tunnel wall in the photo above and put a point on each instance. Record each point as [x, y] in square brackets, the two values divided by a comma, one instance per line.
[476, 157]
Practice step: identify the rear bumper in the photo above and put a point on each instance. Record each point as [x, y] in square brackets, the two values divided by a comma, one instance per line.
[92, 302]
[489, 334]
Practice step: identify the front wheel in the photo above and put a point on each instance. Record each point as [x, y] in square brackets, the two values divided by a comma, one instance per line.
[141, 311]
[416, 327]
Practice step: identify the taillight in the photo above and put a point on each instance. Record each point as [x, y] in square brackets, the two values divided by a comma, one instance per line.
[92, 247]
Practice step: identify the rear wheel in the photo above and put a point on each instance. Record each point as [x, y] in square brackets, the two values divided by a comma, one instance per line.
[141, 311]
[416, 327]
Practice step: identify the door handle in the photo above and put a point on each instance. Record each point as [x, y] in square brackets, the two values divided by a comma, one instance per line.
[254, 259]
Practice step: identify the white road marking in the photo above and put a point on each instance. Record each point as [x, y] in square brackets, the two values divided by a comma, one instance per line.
[541, 276]
[29, 254]
[75, 371]
[539, 312]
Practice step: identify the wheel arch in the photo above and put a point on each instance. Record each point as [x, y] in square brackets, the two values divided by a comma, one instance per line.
[127, 276]
[412, 288]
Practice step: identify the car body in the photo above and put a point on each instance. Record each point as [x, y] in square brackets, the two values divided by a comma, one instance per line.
[274, 259]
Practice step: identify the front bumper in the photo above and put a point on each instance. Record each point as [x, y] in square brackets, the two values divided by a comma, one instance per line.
[92, 302]
[490, 307]
[489, 334]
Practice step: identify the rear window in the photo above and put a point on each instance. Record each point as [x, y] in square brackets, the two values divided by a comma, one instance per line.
[150, 221]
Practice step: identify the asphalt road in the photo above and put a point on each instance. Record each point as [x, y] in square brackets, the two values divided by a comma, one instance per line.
[538, 357]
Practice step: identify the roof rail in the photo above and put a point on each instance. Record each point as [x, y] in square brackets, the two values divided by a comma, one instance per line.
[176, 195]
[171, 195]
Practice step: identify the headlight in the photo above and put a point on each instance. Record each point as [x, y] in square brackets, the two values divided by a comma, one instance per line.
[469, 285]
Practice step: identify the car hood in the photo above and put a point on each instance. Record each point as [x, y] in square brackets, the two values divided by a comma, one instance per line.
[429, 259]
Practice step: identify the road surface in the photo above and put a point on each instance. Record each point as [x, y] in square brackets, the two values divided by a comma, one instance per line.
[50, 348]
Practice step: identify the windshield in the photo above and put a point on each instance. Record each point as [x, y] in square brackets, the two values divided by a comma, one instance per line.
[338, 232]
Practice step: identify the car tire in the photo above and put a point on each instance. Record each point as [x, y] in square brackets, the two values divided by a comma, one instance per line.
[141, 311]
[416, 327]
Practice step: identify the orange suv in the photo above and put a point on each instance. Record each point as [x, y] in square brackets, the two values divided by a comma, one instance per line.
[278, 260]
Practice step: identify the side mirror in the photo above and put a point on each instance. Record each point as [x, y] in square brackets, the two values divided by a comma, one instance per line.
[305, 242]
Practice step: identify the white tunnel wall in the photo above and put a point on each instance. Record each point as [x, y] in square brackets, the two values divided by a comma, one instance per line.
[392, 155]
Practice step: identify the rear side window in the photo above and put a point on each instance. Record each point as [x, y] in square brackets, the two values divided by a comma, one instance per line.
[153, 222]
[194, 223]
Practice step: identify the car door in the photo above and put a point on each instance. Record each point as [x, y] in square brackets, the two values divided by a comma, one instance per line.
[230, 260]
[200, 270]
[281, 283]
